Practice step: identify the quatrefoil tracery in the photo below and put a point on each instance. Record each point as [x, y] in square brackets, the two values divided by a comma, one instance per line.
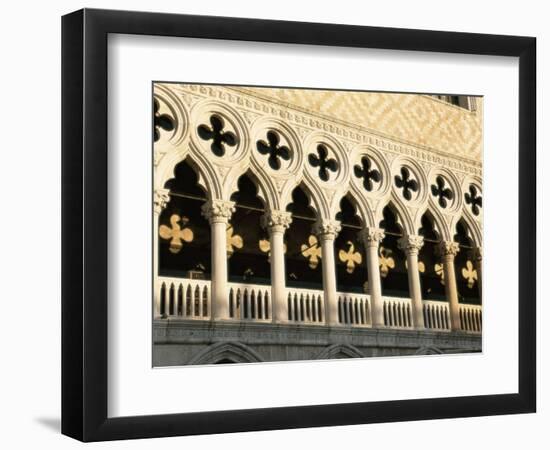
[219, 137]
[275, 151]
[323, 162]
[161, 121]
[442, 193]
[473, 199]
[367, 173]
[407, 183]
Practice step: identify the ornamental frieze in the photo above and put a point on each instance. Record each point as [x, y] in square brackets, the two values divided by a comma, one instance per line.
[250, 108]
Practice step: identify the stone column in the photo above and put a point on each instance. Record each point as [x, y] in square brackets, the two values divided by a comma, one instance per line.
[411, 245]
[448, 251]
[477, 256]
[276, 223]
[160, 198]
[372, 238]
[326, 231]
[218, 213]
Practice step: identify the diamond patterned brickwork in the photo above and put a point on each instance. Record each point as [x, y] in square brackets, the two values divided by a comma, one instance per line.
[418, 119]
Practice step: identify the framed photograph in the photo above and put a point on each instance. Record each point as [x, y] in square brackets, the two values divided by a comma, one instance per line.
[274, 225]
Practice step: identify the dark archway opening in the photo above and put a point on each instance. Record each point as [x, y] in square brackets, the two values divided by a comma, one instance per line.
[303, 257]
[393, 271]
[351, 269]
[466, 274]
[184, 234]
[429, 261]
[247, 241]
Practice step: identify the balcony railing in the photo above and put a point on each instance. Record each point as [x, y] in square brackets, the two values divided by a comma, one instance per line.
[354, 309]
[184, 297]
[190, 299]
[470, 318]
[305, 306]
[436, 315]
[249, 302]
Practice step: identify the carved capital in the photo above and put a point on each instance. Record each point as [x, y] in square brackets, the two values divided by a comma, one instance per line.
[160, 198]
[372, 236]
[276, 220]
[326, 229]
[448, 248]
[218, 211]
[411, 244]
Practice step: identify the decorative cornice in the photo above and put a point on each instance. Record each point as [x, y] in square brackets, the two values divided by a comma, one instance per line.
[218, 211]
[276, 220]
[248, 102]
[326, 229]
[448, 248]
[160, 198]
[411, 244]
[372, 236]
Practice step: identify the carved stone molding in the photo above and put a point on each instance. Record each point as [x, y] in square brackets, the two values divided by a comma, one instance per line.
[372, 236]
[160, 198]
[411, 244]
[218, 211]
[276, 220]
[253, 103]
[327, 229]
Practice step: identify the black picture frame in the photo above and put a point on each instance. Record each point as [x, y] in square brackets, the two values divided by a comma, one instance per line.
[84, 224]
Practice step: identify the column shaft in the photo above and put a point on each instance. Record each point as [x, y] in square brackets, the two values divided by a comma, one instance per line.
[449, 250]
[326, 232]
[218, 213]
[411, 245]
[160, 199]
[372, 238]
[276, 222]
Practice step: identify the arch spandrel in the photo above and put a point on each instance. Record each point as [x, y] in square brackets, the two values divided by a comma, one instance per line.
[421, 196]
[330, 191]
[171, 103]
[467, 208]
[453, 183]
[236, 151]
[383, 188]
[291, 165]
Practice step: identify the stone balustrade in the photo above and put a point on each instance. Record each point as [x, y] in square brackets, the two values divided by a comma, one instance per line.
[191, 299]
[470, 318]
[436, 315]
[397, 312]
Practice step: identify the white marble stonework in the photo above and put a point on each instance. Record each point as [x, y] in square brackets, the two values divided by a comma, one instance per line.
[391, 132]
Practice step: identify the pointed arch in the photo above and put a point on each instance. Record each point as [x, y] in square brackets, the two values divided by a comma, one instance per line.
[206, 173]
[472, 226]
[350, 255]
[223, 352]
[428, 350]
[437, 219]
[361, 205]
[398, 211]
[312, 194]
[402, 213]
[339, 351]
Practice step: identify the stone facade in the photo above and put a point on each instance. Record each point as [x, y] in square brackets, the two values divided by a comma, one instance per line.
[427, 157]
